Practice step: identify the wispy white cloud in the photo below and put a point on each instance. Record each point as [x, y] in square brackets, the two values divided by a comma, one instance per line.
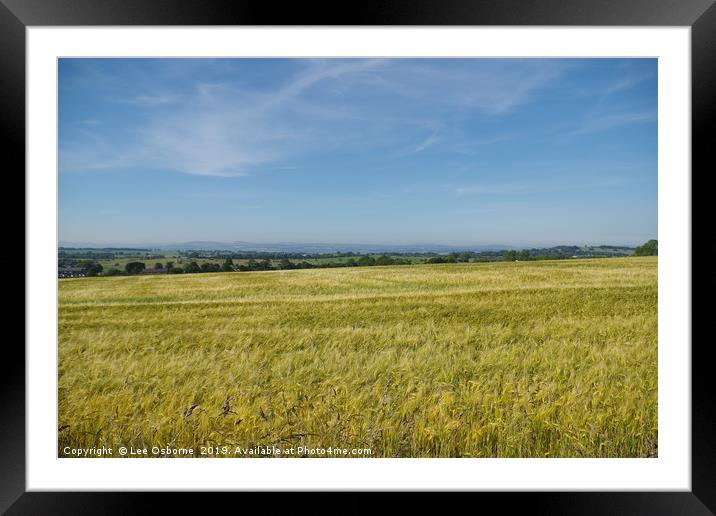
[602, 115]
[495, 87]
[629, 80]
[622, 84]
[154, 99]
[422, 145]
[317, 71]
[428, 142]
[604, 122]
[215, 130]
[224, 129]
[560, 183]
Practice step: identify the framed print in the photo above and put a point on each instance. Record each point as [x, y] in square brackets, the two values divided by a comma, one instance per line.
[416, 249]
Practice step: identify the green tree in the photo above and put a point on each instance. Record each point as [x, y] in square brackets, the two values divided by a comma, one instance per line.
[192, 267]
[228, 265]
[285, 263]
[366, 261]
[650, 248]
[134, 267]
[91, 267]
[158, 265]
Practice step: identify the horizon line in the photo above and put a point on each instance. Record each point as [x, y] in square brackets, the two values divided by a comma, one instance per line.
[75, 244]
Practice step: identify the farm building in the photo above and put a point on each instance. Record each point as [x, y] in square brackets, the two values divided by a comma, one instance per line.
[70, 272]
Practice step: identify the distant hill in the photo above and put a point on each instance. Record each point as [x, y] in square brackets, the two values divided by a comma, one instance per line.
[331, 248]
[292, 247]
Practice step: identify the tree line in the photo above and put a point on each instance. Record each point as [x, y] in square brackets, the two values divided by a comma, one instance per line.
[650, 248]
[94, 268]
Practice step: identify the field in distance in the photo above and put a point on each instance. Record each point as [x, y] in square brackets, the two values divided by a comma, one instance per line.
[504, 359]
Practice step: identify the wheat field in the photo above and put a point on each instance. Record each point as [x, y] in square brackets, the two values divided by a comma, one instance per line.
[521, 359]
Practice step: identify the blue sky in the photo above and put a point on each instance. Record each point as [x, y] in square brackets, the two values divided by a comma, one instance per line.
[530, 152]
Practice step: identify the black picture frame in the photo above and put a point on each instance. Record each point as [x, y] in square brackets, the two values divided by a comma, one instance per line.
[700, 15]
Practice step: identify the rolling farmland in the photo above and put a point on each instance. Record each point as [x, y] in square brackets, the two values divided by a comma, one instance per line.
[518, 359]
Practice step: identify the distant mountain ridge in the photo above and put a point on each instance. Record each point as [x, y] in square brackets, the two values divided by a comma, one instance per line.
[312, 248]
[294, 247]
